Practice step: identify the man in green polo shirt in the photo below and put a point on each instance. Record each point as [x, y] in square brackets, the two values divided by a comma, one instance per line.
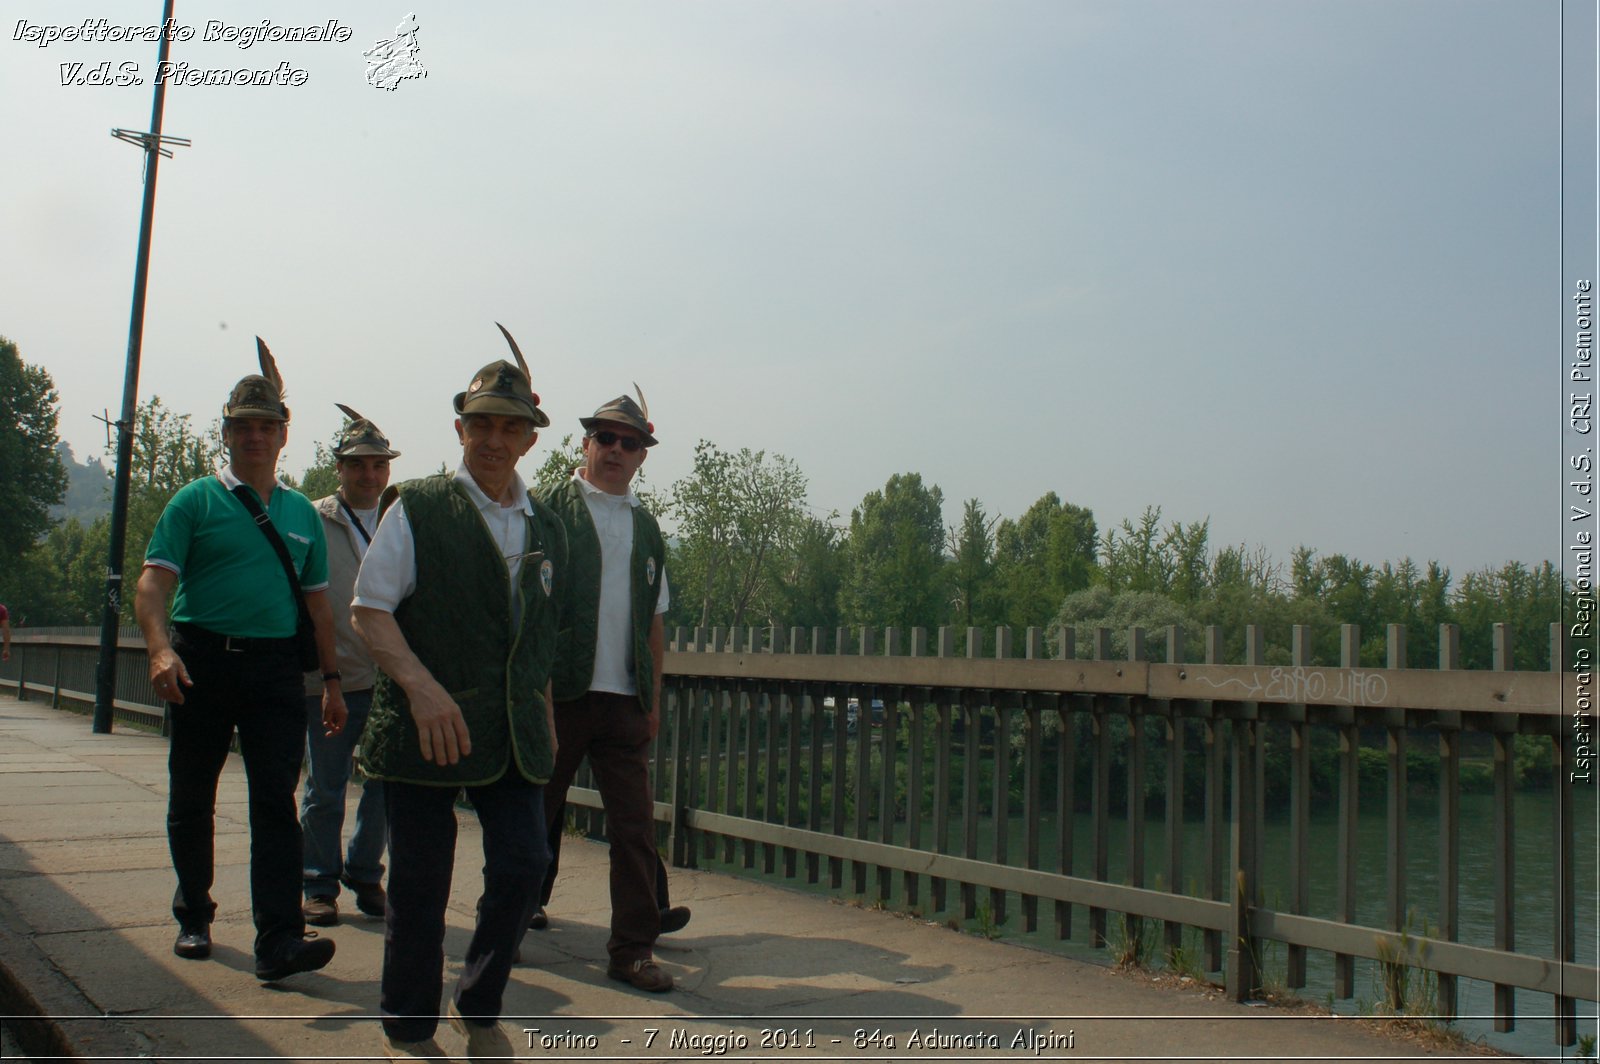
[230, 661]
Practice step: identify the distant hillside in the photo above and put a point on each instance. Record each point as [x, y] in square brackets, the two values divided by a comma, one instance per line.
[88, 488]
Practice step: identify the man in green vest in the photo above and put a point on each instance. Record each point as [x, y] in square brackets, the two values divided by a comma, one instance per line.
[608, 671]
[457, 601]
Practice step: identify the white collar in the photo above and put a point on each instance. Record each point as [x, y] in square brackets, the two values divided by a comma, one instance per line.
[230, 481]
[482, 501]
[594, 492]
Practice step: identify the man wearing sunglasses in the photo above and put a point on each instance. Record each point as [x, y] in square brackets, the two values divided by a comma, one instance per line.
[607, 677]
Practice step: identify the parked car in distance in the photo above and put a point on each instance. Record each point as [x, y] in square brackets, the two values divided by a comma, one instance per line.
[852, 712]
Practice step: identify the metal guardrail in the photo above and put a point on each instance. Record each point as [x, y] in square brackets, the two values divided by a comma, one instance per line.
[758, 760]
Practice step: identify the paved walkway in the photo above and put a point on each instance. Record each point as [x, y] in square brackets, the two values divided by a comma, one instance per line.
[763, 972]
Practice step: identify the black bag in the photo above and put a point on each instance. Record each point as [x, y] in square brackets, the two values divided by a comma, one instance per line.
[305, 633]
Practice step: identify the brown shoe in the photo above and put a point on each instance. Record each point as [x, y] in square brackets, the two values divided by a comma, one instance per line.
[485, 1042]
[427, 1049]
[642, 974]
[321, 911]
[370, 897]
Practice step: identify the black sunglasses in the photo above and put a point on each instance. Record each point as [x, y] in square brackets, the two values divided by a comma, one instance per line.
[605, 438]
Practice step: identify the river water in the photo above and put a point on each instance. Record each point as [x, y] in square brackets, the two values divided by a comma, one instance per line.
[1534, 905]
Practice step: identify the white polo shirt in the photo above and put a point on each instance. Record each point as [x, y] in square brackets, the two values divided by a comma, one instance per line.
[613, 522]
[389, 570]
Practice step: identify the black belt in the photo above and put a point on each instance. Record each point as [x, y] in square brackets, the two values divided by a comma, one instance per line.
[205, 639]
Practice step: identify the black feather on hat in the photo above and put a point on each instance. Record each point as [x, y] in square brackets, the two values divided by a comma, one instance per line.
[360, 437]
[259, 396]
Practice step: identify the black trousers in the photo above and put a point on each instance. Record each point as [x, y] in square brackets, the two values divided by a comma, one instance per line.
[259, 694]
[422, 846]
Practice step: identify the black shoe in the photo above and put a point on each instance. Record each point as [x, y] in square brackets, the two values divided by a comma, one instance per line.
[321, 910]
[370, 897]
[539, 920]
[674, 919]
[194, 943]
[305, 955]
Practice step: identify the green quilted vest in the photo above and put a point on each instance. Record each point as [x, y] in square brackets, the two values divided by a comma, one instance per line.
[458, 622]
[580, 605]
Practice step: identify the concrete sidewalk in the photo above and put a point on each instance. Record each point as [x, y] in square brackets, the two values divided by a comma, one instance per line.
[763, 972]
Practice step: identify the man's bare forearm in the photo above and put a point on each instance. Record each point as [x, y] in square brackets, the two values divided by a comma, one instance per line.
[442, 731]
[388, 647]
[150, 606]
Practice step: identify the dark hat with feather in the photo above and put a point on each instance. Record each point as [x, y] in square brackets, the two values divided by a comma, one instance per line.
[501, 388]
[258, 395]
[360, 436]
[624, 411]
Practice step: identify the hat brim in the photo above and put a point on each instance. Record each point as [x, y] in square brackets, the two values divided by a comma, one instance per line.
[366, 449]
[254, 413]
[495, 404]
[589, 423]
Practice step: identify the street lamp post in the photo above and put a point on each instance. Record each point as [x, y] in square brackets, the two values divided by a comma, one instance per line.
[154, 145]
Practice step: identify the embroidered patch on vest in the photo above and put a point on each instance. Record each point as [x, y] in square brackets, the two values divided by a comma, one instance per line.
[547, 574]
[650, 571]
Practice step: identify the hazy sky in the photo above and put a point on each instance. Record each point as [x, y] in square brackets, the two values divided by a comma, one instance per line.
[1294, 267]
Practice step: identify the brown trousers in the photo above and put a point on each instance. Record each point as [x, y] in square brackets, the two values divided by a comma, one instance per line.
[613, 732]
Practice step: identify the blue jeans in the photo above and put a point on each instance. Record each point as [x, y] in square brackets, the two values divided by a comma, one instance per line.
[322, 805]
[511, 813]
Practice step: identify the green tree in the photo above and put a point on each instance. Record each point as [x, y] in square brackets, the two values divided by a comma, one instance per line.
[738, 516]
[1041, 558]
[322, 475]
[894, 558]
[972, 567]
[1173, 562]
[557, 466]
[1100, 607]
[61, 579]
[1246, 587]
[167, 454]
[1134, 559]
[1328, 592]
[66, 572]
[167, 450]
[1420, 600]
[32, 478]
[1188, 546]
[1527, 600]
[805, 592]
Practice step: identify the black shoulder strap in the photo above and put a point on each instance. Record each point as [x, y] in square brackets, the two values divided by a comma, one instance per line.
[263, 522]
[354, 520]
